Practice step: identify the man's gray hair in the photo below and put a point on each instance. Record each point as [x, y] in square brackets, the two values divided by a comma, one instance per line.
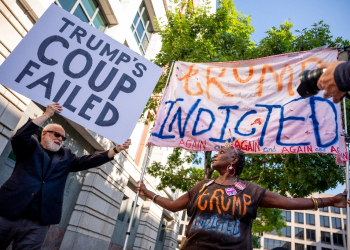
[49, 127]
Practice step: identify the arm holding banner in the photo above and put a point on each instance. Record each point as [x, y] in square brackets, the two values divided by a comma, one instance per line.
[118, 148]
[273, 200]
[173, 206]
[51, 109]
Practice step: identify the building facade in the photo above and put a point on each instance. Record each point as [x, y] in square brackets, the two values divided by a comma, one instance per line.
[324, 229]
[98, 202]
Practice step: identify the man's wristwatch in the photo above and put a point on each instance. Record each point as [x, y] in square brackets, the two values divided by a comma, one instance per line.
[115, 150]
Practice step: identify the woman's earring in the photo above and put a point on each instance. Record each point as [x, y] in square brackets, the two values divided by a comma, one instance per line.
[229, 167]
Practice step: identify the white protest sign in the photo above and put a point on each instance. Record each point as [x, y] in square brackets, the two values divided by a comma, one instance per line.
[257, 100]
[101, 84]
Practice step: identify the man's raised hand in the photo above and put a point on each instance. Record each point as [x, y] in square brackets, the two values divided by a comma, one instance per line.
[53, 108]
[125, 145]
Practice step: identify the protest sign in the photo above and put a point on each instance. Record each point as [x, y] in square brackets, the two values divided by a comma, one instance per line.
[256, 100]
[101, 84]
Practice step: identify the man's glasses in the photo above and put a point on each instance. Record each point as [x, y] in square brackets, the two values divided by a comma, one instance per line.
[57, 135]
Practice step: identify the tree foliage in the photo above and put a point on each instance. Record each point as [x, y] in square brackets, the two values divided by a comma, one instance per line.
[196, 35]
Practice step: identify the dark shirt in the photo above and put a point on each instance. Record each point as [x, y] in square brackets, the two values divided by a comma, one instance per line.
[32, 212]
[342, 76]
[219, 221]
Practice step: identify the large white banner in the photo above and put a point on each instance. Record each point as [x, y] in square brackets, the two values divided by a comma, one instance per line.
[257, 100]
[101, 84]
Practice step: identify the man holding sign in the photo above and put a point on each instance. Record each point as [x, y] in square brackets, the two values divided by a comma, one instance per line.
[31, 199]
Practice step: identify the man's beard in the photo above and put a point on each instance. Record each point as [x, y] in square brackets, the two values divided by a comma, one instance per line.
[50, 144]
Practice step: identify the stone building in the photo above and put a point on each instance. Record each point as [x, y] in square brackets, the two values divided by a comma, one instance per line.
[98, 202]
[324, 229]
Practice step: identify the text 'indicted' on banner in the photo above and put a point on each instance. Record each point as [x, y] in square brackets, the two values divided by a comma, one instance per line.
[101, 84]
[257, 100]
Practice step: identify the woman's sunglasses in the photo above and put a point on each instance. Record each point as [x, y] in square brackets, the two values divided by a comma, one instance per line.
[57, 135]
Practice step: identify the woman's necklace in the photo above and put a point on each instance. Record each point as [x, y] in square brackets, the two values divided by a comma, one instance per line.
[227, 180]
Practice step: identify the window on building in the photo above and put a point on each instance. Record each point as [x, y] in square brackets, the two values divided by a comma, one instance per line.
[325, 237]
[310, 219]
[344, 210]
[324, 209]
[299, 233]
[142, 28]
[88, 11]
[310, 235]
[286, 231]
[162, 230]
[324, 221]
[335, 210]
[344, 224]
[299, 246]
[324, 248]
[286, 215]
[181, 229]
[310, 247]
[270, 244]
[123, 206]
[183, 215]
[336, 223]
[299, 217]
[338, 239]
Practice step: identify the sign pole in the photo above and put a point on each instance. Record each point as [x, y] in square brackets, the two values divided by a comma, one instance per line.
[346, 174]
[142, 175]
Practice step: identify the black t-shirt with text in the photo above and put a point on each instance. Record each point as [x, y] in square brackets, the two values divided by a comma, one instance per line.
[220, 221]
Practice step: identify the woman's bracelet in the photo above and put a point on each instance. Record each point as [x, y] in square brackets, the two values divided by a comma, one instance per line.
[154, 198]
[322, 202]
[315, 203]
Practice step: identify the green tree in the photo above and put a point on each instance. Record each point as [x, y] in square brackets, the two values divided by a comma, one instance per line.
[196, 35]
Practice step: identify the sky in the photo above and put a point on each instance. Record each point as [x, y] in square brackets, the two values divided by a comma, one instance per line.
[303, 13]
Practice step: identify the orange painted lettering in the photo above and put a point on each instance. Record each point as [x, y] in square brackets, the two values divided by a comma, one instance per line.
[250, 76]
[278, 79]
[310, 60]
[246, 202]
[212, 80]
[217, 200]
[236, 202]
[200, 199]
[186, 79]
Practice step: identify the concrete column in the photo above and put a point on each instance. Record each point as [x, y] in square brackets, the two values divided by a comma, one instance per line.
[92, 222]
[148, 227]
[171, 235]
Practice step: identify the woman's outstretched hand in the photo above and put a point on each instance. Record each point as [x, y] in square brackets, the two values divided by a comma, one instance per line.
[340, 199]
[141, 187]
